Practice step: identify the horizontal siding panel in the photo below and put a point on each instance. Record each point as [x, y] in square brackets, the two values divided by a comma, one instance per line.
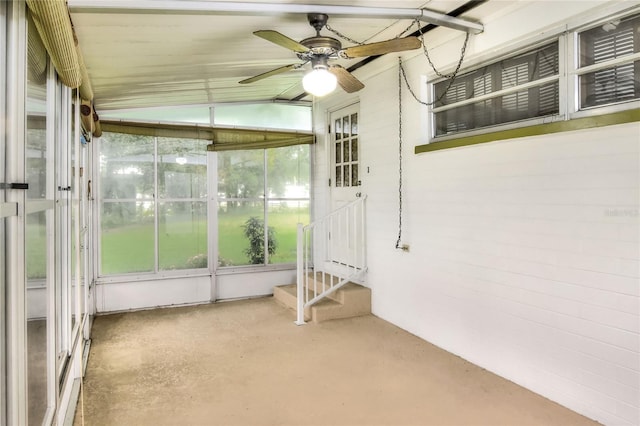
[576, 181]
[505, 267]
[503, 228]
[580, 318]
[546, 166]
[524, 253]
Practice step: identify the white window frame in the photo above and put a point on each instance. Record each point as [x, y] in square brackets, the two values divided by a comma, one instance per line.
[508, 125]
[265, 199]
[568, 80]
[156, 273]
[575, 71]
[15, 408]
[6, 210]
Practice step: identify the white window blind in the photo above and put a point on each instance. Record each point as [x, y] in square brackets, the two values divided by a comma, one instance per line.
[613, 81]
[512, 89]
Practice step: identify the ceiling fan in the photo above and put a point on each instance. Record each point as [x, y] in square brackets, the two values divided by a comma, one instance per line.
[319, 50]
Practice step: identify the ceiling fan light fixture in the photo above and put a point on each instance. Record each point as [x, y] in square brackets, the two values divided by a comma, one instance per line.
[319, 82]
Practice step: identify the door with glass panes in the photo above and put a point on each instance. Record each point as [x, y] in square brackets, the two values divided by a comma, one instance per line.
[345, 182]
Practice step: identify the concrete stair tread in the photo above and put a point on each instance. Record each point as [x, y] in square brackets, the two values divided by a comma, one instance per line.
[348, 301]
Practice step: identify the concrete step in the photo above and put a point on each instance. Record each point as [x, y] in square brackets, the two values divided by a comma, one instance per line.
[351, 300]
[286, 295]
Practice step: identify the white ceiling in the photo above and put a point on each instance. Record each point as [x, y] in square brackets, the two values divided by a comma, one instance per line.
[149, 58]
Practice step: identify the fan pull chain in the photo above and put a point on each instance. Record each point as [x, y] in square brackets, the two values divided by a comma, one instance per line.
[426, 54]
[414, 22]
[402, 75]
[342, 36]
[451, 77]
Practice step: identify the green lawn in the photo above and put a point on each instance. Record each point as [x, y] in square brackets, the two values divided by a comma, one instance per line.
[36, 241]
[130, 248]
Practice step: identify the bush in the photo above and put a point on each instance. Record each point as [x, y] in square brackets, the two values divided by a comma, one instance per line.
[224, 262]
[254, 231]
[197, 261]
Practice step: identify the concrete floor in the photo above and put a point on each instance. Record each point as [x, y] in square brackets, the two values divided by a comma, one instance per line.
[246, 363]
[37, 370]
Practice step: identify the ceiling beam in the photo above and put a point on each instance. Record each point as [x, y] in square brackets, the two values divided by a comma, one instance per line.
[242, 8]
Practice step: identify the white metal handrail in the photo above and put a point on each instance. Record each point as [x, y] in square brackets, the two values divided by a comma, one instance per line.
[331, 252]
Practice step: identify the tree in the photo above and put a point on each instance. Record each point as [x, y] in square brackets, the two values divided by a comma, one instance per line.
[240, 175]
[287, 166]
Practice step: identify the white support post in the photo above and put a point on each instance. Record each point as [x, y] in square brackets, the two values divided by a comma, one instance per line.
[300, 278]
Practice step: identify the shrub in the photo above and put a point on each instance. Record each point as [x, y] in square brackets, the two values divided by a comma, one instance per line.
[197, 261]
[254, 231]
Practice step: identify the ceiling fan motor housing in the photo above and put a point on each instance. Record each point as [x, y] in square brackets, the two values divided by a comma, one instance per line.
[321, 45]
[317, 20]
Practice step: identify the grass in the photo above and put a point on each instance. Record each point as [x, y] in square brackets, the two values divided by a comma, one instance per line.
[130, 248]
[36, 241]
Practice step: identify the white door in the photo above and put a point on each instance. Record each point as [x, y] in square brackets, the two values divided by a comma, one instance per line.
[345, 245]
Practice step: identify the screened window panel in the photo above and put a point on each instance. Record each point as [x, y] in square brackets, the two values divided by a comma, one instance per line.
[241, 190]
[618, 83]
[249, 181]
[288, 172]
[283, 218]
[127, 237]
[129, 228]
[182, 168]
[274, 116]
[126, 166]
[233, 244]
[241, 174]
[182, 236]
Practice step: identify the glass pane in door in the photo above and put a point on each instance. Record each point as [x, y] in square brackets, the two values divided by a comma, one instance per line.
[4, 211]
[37, 236]
[75, 205]
[346, 152]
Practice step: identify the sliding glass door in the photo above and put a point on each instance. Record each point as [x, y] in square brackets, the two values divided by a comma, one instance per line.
[41, 293]
[39, 231]
[5, 210]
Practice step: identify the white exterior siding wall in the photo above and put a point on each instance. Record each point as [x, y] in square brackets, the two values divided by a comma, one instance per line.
[524, 254]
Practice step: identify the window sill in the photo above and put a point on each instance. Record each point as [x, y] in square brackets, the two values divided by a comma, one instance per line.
[620, 117]
[135, 277]
[250, 269]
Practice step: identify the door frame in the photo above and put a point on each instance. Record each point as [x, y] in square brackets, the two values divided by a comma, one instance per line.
[339, 258]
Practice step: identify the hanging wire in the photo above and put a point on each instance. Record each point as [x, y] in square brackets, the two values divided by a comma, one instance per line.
[402, 76]
[399, 156]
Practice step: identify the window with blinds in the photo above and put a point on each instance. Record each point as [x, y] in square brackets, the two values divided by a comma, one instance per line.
[512, 89]
[604, 76]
